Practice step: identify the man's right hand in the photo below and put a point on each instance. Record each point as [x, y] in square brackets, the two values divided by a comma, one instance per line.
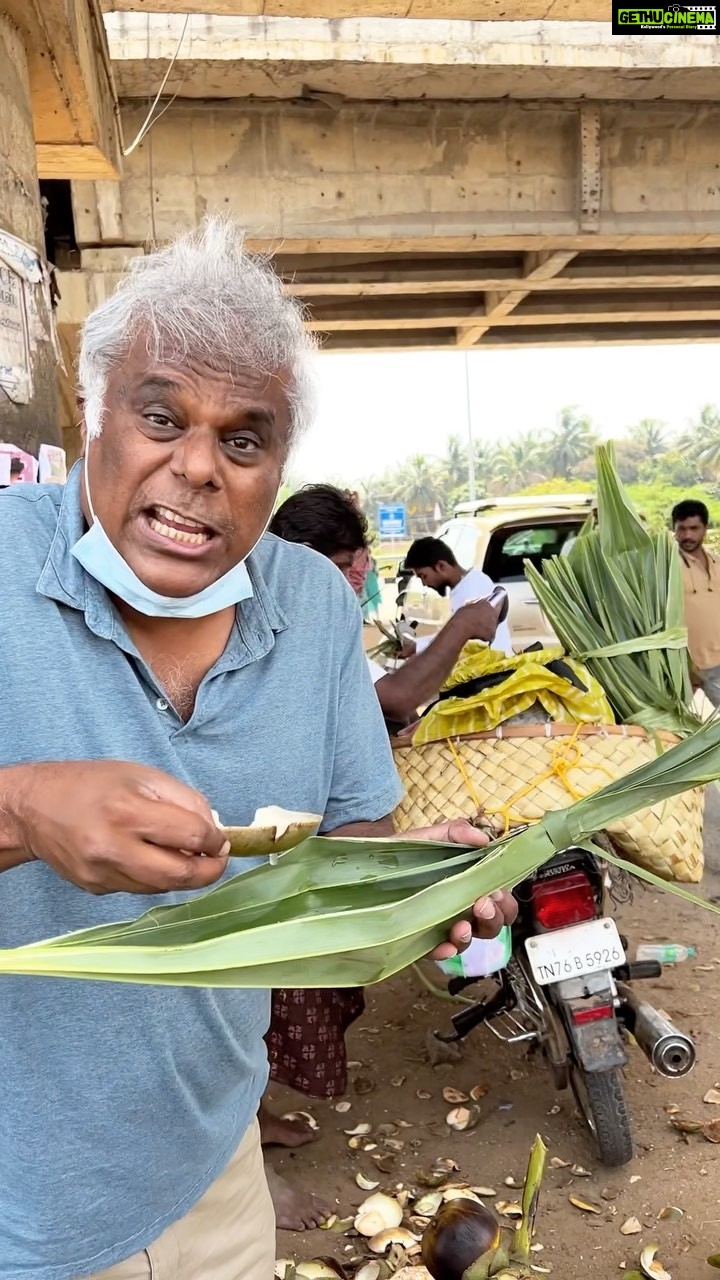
[478, 620]
[110, 826]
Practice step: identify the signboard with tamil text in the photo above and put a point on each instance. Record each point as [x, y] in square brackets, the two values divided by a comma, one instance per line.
[392, 521]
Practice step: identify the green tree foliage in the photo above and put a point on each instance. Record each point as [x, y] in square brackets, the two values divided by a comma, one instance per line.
[702, 441]
[660, 468]
[571, 441]
[651, 436]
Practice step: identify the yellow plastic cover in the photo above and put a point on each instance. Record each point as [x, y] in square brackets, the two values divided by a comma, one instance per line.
[529, 681]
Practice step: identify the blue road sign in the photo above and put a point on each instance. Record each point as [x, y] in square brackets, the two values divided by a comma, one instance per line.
[392, 521]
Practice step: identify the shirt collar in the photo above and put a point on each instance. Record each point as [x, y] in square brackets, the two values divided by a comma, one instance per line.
[691, 561]
[63, 578]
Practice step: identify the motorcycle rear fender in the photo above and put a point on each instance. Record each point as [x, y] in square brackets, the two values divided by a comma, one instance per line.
[597, 1046]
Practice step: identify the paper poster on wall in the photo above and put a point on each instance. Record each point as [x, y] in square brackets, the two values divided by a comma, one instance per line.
[26, 315]
[15, 365]
[23, 467]
[52, 464]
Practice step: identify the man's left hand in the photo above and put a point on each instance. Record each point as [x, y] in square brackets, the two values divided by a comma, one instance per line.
[488, 915]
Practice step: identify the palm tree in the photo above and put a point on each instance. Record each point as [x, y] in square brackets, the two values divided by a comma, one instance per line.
[651, 435]
[519, 464]
[702, 440]
[372, 493]
[455, 463]
[487, 464]
[572, 440]
[420, 486]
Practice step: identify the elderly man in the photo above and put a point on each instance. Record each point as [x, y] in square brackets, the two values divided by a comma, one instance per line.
[161, 660]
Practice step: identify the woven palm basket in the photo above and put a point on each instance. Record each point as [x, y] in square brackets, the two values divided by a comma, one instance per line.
[523, 772]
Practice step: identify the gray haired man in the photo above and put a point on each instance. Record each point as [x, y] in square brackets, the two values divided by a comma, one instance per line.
[162, 658]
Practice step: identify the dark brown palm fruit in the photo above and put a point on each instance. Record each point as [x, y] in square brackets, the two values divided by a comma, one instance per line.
[460, 1233]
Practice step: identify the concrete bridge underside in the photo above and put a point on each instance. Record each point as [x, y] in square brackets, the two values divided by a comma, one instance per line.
[415, 225]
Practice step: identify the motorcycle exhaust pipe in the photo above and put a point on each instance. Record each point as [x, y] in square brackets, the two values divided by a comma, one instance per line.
[671, 1052]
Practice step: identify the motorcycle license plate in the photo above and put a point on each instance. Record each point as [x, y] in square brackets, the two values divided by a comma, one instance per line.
[575, 952]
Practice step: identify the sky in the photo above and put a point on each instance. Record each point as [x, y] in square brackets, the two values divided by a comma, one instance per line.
[375, 410]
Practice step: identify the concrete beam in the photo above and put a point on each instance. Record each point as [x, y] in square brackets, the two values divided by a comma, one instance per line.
[361, 319]
[355, 276]
[539, 268]
[74, 106]
[416, 177]
[608, 335]
[453, 10]
[373, 60]
[341, 278]
[628, 307]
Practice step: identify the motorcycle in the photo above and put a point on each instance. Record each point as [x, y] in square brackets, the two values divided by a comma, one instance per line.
[566, 991]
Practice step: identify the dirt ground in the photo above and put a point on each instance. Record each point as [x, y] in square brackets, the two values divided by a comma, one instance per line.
[387, 1048]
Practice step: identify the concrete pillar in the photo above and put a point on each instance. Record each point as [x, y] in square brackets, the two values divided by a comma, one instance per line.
[26, 425]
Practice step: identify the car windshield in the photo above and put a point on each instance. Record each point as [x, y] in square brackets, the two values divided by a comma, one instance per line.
[462, 539]
[509, 548]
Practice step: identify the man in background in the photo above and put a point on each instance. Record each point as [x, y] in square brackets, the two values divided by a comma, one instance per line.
[306, 1040]
[701, 583]
[321, 517]
[434, 563]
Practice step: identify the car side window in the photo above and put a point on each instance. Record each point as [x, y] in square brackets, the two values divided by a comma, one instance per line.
[509, 548]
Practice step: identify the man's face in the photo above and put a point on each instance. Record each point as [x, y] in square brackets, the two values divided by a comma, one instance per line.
[185, 473]
[690, 534]
[346, 563]
[435, 578]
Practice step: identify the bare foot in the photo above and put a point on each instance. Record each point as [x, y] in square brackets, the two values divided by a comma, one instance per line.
[276, 1132]
[295, 1210]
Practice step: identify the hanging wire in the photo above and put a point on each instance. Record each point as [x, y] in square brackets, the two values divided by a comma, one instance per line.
[150, 119]
[150, 166]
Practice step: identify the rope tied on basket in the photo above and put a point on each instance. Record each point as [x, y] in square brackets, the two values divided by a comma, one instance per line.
[566, 757]
[450, 775]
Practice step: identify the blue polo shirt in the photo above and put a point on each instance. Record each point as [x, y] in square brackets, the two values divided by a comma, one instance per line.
[120, 1104]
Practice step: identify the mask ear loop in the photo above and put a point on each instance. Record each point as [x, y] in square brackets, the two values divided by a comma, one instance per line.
[86, 478]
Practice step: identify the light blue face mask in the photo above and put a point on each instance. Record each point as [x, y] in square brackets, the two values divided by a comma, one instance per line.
[103, 562]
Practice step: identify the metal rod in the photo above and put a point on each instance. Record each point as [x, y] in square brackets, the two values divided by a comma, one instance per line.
[472, 494]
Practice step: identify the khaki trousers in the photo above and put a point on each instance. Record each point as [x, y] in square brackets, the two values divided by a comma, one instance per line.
[228, 1235]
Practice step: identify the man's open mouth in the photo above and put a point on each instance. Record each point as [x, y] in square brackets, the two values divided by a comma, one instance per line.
[179, 528]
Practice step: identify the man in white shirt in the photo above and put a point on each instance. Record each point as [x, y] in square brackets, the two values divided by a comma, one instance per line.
[330, 522]
[433, 562]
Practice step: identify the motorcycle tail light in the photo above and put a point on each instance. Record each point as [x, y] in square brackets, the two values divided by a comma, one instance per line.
[567, 900]
[596, 1013]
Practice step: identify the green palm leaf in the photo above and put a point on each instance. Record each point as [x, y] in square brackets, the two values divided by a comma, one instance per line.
[347, 912]
[616, 602]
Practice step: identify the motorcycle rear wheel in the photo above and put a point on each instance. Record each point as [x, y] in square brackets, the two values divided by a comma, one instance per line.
[601, 1098]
